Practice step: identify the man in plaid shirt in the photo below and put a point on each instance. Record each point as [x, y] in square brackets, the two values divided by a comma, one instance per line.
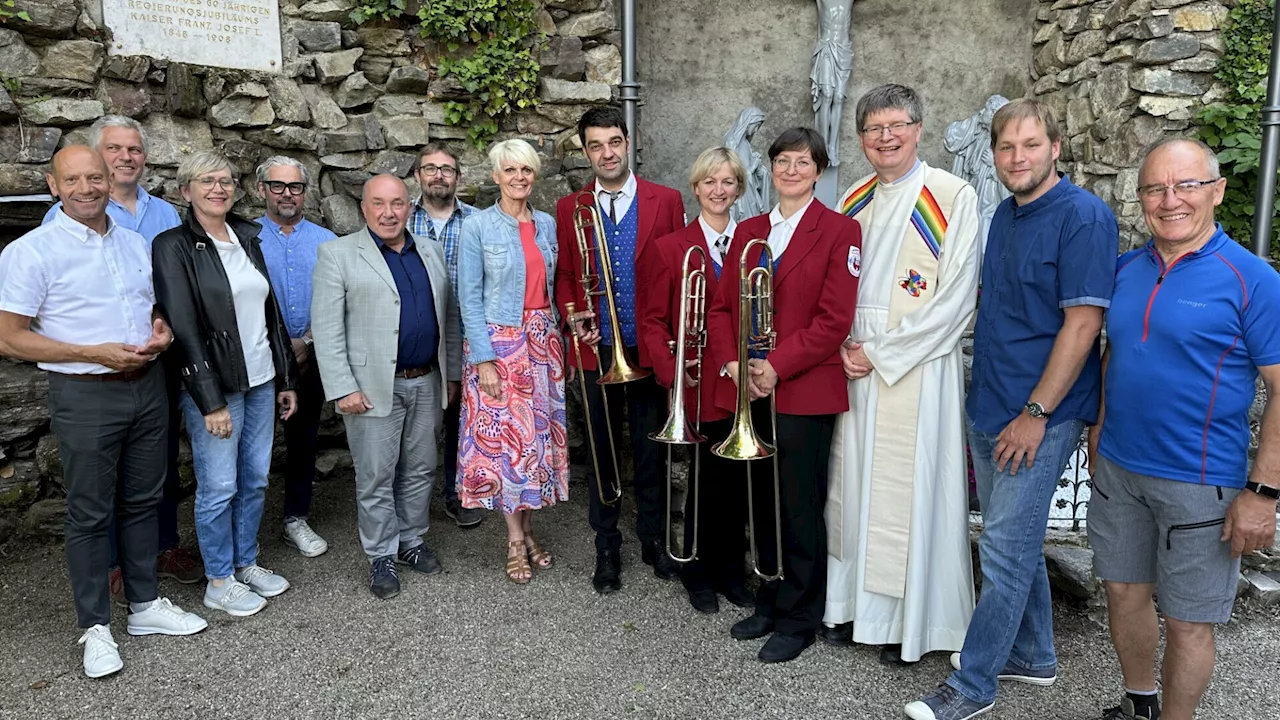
[437, 216]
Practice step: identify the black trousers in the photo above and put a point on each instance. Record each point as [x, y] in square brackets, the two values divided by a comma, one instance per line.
[796, 603]
[301, 442]
[721, 517]
[644, 403]
[112, 439]
[452, 417]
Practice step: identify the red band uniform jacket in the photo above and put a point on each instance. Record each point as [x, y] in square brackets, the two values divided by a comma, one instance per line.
[660, 211]
[815, 290]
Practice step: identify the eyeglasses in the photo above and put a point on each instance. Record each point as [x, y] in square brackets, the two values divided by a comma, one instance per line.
[802, 165]
[894, 129]
[446, 171]
[1182, 189]
[209, 182]
[277, 187]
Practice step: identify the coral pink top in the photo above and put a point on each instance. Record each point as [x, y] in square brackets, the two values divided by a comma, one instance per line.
[535, 269]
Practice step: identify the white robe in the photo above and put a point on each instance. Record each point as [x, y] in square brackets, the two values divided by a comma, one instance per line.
[939, 596]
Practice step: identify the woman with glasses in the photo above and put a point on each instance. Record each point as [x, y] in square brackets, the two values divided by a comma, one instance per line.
[512, 454]
[817, 258]
[236, 364]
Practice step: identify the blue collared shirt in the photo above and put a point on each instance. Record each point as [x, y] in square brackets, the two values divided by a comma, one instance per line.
[290, 261]
[154, 215]
[1056, 252]
[419, 328]
[421, 226]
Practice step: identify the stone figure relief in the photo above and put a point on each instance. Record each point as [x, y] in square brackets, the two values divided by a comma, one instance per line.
[970, 140]
[832, 65]
[755, 196]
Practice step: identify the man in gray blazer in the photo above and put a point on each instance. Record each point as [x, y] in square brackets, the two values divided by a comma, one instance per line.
[389, 347]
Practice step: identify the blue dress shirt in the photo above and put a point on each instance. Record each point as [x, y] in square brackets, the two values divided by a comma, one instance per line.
[419, 328]
[290, 260]
[154, 215]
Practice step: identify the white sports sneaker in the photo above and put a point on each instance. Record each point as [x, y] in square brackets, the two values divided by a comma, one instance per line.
[233, 598]
[300, 535]
[165, 618]
[262, 581]
[101, 655]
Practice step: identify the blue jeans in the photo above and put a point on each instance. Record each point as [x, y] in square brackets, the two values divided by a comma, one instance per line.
[1013, 621]
[231, 478]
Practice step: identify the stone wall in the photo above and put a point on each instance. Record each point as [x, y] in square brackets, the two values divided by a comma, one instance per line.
[1122, 74]
[350, 101]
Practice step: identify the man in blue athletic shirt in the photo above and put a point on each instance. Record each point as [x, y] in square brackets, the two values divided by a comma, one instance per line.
[1191, 326]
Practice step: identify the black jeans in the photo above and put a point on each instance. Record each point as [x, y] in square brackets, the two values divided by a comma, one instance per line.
[797, 601]
[451, 420]
[644, 403]
[301, 442]
[721, 517]
[112, 437]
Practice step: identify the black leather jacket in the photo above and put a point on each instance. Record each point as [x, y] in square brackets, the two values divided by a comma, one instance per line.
[194, 296]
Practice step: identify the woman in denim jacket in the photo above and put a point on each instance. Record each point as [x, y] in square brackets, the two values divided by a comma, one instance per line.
[511, 453]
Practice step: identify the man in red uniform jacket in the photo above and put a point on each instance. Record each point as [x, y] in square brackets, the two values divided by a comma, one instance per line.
[633, 213]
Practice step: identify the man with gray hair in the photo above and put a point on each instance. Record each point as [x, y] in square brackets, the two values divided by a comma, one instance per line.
[389, 346]
[1175, 505]
[290, 243]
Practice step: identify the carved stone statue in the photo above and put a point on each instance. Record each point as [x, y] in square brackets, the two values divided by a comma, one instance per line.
[755, 196]
[970, 140]
[832, 64]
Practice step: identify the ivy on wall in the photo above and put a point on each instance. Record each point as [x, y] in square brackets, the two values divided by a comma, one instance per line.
[1231, 127]
[492, 47]
[6, 11]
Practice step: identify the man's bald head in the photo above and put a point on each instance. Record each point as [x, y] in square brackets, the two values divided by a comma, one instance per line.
[1180, 188]
[80, 179]
[385, 206]
[1158, 150]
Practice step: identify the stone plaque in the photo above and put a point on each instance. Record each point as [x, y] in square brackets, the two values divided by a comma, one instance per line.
[242, 34]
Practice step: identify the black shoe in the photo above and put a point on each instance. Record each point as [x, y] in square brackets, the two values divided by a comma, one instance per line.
[463, 517]
[384, 581]
[664, 568]
[1129, 710]
[756, 626]
[740, 595]
[704, 601]
[839, 636]
[892, 655]
[607, 578]
[784, 648]
[419, 558]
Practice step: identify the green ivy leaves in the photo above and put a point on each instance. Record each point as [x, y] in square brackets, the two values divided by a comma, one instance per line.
[6, 13]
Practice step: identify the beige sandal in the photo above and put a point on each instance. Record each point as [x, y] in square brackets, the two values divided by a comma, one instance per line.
[541, 558]
[518, 570]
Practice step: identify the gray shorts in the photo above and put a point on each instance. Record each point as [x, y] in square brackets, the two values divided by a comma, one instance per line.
[1148, 530]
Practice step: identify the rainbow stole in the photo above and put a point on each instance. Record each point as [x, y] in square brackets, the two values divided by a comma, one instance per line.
[927, 217]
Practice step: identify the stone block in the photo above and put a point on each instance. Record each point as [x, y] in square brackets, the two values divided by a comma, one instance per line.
[587, 24]
[1205, 62]
[1052, 54]
[1161, 106]
[16, 59]
[376, 68]
[1073, 20]
[1071, 570]
[123, 98]
[1087, 69]
[19, 484]
[1137, 10]
[1111, 88]
[433, 112]
[288, 101]
[20, 180]
[241, 112]
[391, 105]
[545, 21]
[383, 41]
[1161, 81]
[8, 109]
[1123, 31]
[1086, 45]
[1079, 116]
[170, 140]
[1263, 588]
[24, 389]
[1167, 49]
[332, 67]
[346, 160]
[563, 58]
[129, 68]
[406, 131]
[563, 92]
[1126, 186]
[530, 123]
[1153, 27]
[408, 79]
[327, 10]
[1045, 33]
[573, 6]
[285, 137]
[49, 18]
[355, 91]
[348, 182]
[73, 60]
[1200, 16]
[325, 113]
[1120, 51]
[448, 87]
[244, 154]
[353, 137]
[392, 162]
[184, 91]
[62, 111]
[317, 36]
[342, 214]
[604, 65]
[28, 143]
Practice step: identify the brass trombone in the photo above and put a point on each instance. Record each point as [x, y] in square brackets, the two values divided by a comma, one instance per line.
[691, 333]
[755, 307]
[588, 229]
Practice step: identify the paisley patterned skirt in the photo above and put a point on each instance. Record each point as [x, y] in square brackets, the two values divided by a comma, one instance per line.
[512, 452]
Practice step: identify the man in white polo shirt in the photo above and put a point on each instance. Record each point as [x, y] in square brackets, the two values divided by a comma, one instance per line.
[76, 297]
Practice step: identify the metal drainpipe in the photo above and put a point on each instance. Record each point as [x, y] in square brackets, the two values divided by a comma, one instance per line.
[1264, 209]
[629, 89]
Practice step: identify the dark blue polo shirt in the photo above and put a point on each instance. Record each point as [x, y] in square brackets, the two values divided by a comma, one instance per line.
[419, 329]
[1051, 254]
[1186, 342]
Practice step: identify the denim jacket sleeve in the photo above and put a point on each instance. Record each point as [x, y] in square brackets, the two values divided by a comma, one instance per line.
[471, 292]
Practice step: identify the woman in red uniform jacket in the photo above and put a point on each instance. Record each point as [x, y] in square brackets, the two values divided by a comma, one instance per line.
[817, 261]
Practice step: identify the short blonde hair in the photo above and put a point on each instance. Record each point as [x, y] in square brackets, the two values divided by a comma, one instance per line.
[710, 160]
[203, 163]
[1026, 109]
[516, 152]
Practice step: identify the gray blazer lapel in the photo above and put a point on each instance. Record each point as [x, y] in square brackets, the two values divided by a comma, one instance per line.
[369, 251]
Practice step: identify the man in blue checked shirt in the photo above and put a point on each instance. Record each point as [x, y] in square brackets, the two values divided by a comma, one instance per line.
[437, 215]
[289, 245]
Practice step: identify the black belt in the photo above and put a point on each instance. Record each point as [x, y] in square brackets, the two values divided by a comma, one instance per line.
[417, 372]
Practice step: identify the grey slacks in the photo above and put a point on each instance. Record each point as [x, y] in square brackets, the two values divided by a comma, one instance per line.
[112, 437]
[395, 463]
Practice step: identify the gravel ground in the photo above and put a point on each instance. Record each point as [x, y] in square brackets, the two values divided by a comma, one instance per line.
[468, 644]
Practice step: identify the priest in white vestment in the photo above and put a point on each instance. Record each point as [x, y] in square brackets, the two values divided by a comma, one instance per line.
[899, 572]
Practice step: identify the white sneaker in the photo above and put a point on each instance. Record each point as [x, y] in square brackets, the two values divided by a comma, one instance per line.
[165, 618]
[233, 598]
[262, 581]
[101, 655]
[300, 535]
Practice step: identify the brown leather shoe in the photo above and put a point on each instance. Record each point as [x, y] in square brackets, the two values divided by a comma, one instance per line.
[180, 564]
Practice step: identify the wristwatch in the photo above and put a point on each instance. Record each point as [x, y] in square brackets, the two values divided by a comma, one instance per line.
[1263, 490]
[1036, 410]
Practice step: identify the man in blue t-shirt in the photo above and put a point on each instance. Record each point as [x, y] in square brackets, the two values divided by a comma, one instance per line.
[1047, 277]
[1191, 326]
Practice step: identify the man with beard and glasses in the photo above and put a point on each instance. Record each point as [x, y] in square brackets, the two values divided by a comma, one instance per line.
[437, 215]
[121, 143]
[289, 245]
[1047, 277]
